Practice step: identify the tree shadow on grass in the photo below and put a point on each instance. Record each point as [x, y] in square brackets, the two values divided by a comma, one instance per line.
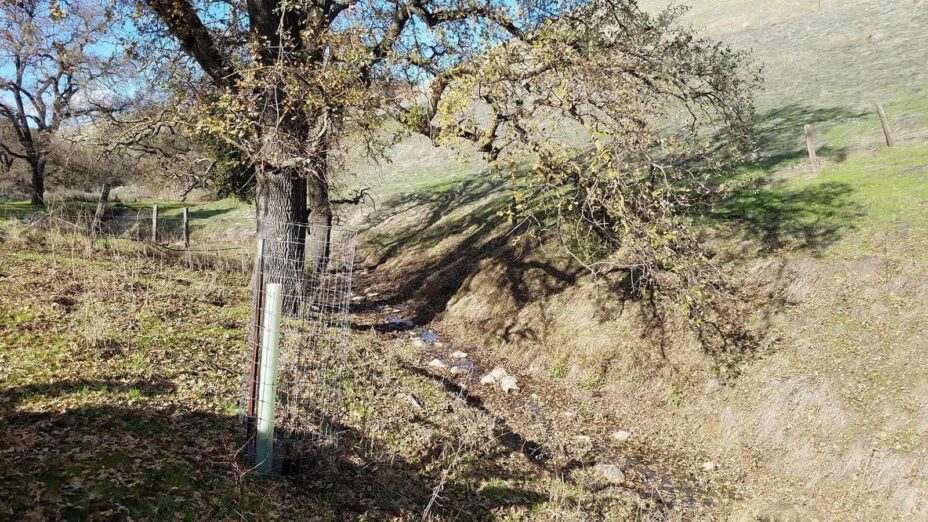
[809, 218]
[780, 136]
[470, 216]
[427, 214]
[96, 460]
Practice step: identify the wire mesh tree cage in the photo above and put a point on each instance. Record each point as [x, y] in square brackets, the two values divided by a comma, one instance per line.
[307, 270]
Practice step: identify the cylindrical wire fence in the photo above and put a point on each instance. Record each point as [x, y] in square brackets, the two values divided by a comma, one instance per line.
[311, 267]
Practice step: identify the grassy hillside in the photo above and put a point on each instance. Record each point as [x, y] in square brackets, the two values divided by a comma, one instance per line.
[826, 420]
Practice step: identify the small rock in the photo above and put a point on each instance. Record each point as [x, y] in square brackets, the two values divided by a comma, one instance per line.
[429, 337]
[462, 368]
[713, 385]
[508, 384]
[458, 354]
[399, 321]
[439, 344]
[372, 294]
[621, 436]
[498, 373]
[584, 439]
[418, 343]
[410, 399]
[494, 376]
[610, 472]
[438, 364]
[709, 466]
[357, 298]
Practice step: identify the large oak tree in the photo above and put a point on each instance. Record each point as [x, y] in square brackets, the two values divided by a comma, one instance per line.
[613, 119]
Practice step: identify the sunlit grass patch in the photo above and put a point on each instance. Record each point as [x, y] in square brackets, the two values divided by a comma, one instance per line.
[865, 205]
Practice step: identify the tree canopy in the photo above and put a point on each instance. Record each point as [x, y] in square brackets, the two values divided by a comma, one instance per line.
[58, 66]
[613, 121]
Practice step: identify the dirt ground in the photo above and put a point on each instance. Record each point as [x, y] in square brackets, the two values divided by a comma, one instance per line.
[120, 383]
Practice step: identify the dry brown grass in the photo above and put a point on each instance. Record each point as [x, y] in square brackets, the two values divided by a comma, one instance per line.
[827, 422]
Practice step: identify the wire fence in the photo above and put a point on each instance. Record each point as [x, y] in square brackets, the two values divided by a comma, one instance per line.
[292, 400]
[294, 372]
[120, 230]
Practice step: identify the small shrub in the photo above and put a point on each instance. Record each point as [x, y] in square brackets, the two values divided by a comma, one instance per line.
[558, 371]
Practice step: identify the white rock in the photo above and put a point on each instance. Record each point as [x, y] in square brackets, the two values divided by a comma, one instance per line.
[458, 354]
[418, 343]
[487, 379]
[709, 466]
[439, 344]
[372, 294]
[508, 384]
[438, 364]
[621, 435]
[498, 373]
[610, 472]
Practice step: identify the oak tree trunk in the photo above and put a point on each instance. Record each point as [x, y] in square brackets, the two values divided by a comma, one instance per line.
[38, 181]
[294, 217]
[282, 212]
[319, 226]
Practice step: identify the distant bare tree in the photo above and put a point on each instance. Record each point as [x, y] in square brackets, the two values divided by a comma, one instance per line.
[56, 63]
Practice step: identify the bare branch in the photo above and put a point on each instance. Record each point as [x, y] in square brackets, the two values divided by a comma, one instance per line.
[184, 23]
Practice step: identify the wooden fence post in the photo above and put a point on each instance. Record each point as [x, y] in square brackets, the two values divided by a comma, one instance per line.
[97, 216]
[186, 229]
[890, 142]
[154, 223]
[810, 144]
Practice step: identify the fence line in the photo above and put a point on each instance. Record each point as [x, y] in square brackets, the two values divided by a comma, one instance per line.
[80, 231]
